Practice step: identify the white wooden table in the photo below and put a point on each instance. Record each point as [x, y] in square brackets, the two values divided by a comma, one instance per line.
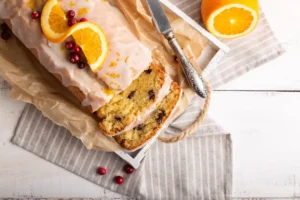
[261, 109]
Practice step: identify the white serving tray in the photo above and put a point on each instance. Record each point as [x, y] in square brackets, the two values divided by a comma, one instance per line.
[211, 55]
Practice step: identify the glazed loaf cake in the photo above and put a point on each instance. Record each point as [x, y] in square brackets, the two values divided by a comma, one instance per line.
[127, 57]
[131, 107]
[139, 135]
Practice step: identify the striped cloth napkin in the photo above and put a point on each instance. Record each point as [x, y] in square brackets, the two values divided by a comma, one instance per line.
[199, 167]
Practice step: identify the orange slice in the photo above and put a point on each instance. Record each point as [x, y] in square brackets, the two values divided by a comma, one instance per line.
[230, 18]
[53, 21]
[92, 40]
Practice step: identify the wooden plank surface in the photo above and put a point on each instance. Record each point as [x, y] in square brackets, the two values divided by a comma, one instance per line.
[265, 132]
[262, 113]
[265, 147]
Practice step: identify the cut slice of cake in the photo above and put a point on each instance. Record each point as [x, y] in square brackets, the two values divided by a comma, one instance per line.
[139, 135]
[131, 107]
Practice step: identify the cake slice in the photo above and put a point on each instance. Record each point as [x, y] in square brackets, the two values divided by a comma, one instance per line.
[139, 135]
[131, 107]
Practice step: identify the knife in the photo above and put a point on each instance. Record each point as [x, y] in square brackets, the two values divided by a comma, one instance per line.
[162, 24]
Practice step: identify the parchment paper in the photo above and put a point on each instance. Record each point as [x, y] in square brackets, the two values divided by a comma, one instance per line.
[31, 83]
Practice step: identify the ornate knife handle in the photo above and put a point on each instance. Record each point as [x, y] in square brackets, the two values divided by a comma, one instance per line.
[194, 78]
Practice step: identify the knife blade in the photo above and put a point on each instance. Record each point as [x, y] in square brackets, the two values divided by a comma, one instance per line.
[163, 26]
[159, 17]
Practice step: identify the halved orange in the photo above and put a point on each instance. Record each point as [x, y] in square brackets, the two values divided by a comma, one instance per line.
[230, 18]
[53, 21]
[92, 40]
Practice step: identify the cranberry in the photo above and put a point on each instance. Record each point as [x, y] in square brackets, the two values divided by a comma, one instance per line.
[140, 127]
[71, 14]
[81, 65]
[117, 118]
[35, 15]
[131, 95]
[84, 20]
[101, 170]
[148, 71]
[4, 27]
[69, 45]
[128, 169]
[74, 58]
[151, 94]
[72, 22]
[119, 180]
[76, 49]
[5, 35]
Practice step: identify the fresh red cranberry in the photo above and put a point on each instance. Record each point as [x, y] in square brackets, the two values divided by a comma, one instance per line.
[76, 49]
[35, 15]
[119, 180]
[81, 65]
[101, 170]
[84, 20]
[71, 14]
[69, 45]
[74, 57]
[5, 35]
[128, 169]
[4, 27]
[72, 22]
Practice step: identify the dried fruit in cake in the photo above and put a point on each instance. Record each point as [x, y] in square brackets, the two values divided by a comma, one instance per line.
[54, 22]
[141, 134]
[133, 104]
[230, 18]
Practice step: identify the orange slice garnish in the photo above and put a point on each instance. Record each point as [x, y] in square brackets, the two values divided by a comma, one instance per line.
[53, 21]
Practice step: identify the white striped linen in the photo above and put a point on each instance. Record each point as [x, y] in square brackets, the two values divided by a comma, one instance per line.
[198, 167]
